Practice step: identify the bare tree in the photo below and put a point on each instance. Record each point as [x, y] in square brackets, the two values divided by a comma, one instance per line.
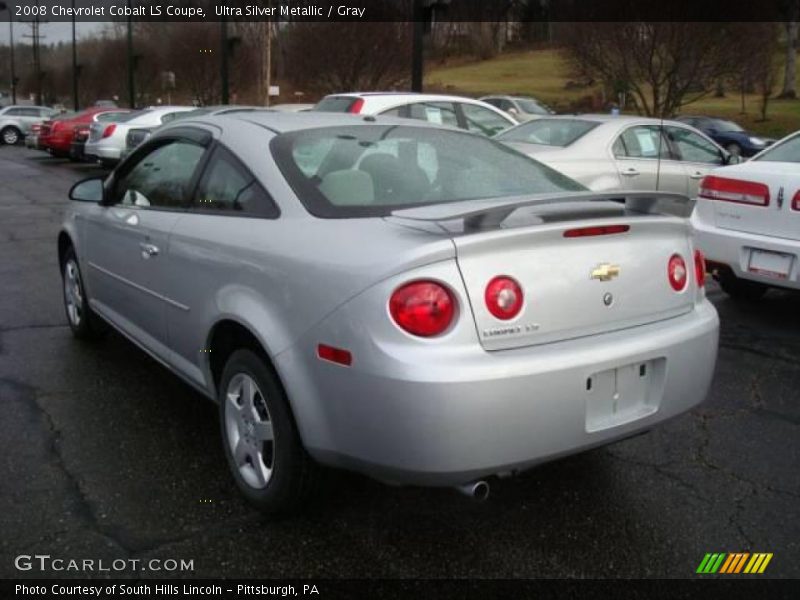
[661, 65]
[335, 57]
[790, 67]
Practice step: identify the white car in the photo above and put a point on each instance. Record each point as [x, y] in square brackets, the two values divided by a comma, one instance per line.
[455, 111]
[107, 141]
[606, 152]
[747, 222]
[522, 108]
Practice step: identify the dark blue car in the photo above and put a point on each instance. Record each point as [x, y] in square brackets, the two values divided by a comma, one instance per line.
[729, 135]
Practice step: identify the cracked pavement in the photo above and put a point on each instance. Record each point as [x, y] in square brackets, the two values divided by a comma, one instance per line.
[104, 454]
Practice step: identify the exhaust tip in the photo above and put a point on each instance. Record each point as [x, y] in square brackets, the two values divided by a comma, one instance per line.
[477, 490]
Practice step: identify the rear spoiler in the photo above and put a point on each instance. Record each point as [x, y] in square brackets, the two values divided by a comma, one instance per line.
[491, 212]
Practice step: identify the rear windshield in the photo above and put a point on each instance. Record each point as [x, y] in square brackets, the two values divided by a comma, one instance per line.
[785, 151]
[548, 132]
[335, 104]
[534, 108]
[370, 170]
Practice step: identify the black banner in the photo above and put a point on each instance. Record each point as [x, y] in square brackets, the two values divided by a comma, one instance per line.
[393, 10]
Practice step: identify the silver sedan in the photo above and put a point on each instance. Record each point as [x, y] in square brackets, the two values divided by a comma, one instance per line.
[606, 152]
[416, 303]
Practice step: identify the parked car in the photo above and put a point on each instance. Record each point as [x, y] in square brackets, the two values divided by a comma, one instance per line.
[607, 152]
[522, 108]
[454, 111]
[747, 221]
[55, 135]
[32, 137]
[16, 121]
[136, 135]
[413, 302]
[107, 141]
[79, 136]
[731, 136]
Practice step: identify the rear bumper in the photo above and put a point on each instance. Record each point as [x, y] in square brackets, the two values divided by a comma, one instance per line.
[733, 248]
[481, 413]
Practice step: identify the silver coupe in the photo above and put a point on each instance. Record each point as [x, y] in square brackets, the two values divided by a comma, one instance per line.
[417, 303]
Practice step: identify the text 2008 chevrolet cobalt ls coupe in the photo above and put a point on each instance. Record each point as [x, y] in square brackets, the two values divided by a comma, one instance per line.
[416, 303]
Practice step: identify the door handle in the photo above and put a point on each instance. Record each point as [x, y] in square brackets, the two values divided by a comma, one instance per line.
[148, 250]
[630, 172]
[697, 175]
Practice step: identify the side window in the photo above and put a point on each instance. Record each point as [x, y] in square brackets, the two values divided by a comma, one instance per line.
[505, 105]
[161, 178]
[494, 102]
[29, 112]
[694, 148]
[643, 141]
[166, 118]
[227, 186]
[109, 116]
[14, 112]
[482, 120]
[441, 113]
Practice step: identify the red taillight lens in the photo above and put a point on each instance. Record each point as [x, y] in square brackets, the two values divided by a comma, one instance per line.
[356, 106]
[796, 201]
[423, 308]
[503, 297]
[676, 272]
[109, 130]
[598, 230]
[700, 268]
[734, 190]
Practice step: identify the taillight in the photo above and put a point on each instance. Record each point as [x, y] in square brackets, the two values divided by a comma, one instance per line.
[796, 201]
[596, 230]
[734, 190]
[676, 272]
[700, 268]
[356, 106]
[109, 130]
[423, 308]
[503, 297]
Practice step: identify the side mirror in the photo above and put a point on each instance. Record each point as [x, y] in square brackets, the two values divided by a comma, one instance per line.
[512, 111]
[87, 190]
[732, 159]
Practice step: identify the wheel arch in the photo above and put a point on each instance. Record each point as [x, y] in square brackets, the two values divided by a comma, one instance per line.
[64, 243]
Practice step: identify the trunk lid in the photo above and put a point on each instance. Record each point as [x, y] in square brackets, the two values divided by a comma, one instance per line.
[574, 286]
[776, 219]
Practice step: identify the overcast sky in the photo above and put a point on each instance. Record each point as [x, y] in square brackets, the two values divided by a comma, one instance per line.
[51, 32]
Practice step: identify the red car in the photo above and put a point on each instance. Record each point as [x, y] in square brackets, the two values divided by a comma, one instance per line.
[56, 135]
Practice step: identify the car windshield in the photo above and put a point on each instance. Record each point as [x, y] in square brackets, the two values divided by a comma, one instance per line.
[723, 125]
[370, 170]
[533, 107]
[786, 151]
[548, 132]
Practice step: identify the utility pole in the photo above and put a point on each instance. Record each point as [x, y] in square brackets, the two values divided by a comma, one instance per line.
[269, 57]
[36, 36]
[4, 6]
[131, 65]
[74, 63]
[223, 66]
[416, 46]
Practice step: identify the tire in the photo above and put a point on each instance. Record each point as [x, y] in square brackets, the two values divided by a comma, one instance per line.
[741, 290]
[10, 135]
[734, 148]
[83, 322]
[259, 436]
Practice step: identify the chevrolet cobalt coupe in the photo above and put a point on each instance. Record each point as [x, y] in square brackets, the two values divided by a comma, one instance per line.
[417, 303]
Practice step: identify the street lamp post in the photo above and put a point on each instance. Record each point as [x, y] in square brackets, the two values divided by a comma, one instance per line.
[422, 15]
[223, 66]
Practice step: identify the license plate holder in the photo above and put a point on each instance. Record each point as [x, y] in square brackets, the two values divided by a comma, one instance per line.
[767, 263]
[623, 394]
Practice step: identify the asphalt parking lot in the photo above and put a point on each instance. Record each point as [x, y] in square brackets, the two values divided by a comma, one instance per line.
[104, 455]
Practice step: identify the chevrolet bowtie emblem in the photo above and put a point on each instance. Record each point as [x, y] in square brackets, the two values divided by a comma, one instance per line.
[605, 272]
